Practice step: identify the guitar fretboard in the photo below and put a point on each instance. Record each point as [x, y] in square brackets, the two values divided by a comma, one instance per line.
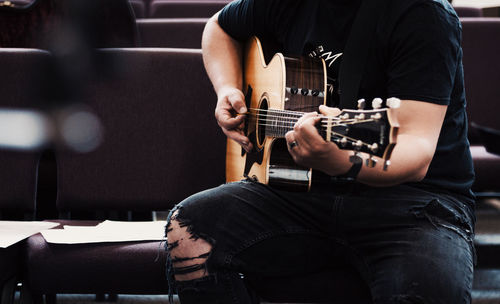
[368, 136]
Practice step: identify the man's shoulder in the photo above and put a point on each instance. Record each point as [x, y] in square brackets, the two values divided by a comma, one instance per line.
[442, 8]
[432, 12]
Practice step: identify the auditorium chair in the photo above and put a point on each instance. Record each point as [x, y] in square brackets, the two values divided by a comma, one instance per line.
[139, 8]
[18, 173]
[160, 144]
[185, 8]
[171, 32]
[468, 11]
[482, 75]
[18, 169]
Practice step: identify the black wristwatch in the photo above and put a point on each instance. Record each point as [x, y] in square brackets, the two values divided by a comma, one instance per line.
[352, 174]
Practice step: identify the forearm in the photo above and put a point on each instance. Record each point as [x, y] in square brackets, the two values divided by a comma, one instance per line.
[221, 57]
[409, 162]
[419, 129]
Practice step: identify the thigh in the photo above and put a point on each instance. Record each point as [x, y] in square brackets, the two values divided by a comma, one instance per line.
[411, 248]
[434, 266]
[256, 229]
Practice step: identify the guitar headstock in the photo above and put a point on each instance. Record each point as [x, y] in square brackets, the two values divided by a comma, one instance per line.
[368, 131]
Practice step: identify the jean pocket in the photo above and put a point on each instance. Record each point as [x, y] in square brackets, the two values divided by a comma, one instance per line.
[444, 214]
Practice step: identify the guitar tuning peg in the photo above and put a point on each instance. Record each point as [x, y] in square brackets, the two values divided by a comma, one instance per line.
[377, 103]
[360, 116]
[343, 142]
[387, 163]
[361, 104]
[393, 102]
[371, 162]
[358, 145]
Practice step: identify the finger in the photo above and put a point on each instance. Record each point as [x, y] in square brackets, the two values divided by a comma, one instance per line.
[289, 136]
[305, 117]
[291, 142]
[307, 134]
[226, 120]
[237, 101]
[306, 122]
[328, 111]
[241, 139]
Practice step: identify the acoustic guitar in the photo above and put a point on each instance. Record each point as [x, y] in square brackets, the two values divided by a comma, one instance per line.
[277, 94]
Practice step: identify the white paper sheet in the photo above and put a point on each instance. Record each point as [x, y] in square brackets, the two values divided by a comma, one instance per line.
[12, 232]
[107, 231]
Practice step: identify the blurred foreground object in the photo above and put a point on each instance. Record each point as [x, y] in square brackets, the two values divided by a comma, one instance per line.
[76, 128]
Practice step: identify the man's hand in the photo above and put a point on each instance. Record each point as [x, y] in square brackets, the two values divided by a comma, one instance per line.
[310, 150]
[230, 103]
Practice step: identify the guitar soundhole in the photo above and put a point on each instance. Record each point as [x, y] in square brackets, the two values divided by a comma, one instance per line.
[262, 122]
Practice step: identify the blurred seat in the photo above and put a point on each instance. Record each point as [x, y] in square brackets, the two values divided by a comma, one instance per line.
[489, 137]
[18, 169]
[161, 144]
[139, 8]
[104, 23]
[171, 32]
[468, 11]
[185, 8]
[482, 73]
[9, 275]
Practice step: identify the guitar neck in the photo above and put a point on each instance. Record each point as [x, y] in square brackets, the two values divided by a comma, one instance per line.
[277, 123]
[364, 131]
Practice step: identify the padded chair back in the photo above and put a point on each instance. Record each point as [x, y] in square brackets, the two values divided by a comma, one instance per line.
[161, 141]
[139, 8]
[468, 11]
[481, 48]
[171, 32]
[185, 8]
[482, 74]
[18, 170]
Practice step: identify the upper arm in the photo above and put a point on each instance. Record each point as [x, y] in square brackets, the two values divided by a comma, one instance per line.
[423, 54]
[419, 126]
[423, 59]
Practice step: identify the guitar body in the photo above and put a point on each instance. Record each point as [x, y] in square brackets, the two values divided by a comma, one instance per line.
[291, 84]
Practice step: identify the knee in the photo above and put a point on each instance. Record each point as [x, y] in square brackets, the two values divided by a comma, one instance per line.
[188, 253]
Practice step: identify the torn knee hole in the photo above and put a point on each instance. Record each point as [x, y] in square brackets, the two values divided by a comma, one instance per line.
[188, 253]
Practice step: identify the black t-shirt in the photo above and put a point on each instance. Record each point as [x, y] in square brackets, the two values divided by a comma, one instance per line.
[416, 55]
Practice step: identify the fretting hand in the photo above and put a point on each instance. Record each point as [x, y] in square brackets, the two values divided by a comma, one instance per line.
[309, 149]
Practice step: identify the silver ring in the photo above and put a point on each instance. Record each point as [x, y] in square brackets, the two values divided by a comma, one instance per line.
[293, 144]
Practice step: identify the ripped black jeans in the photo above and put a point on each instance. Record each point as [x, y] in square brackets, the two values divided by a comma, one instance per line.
[408, 245]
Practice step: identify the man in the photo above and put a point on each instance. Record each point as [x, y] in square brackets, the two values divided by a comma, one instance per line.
[407, 230]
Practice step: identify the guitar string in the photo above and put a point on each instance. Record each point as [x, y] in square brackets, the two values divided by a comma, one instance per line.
[300, 114]
[336, 134]
[290, 119]
[350, 139]
[291, 113]
[323, 122]
[297, 115]
[333, 118]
